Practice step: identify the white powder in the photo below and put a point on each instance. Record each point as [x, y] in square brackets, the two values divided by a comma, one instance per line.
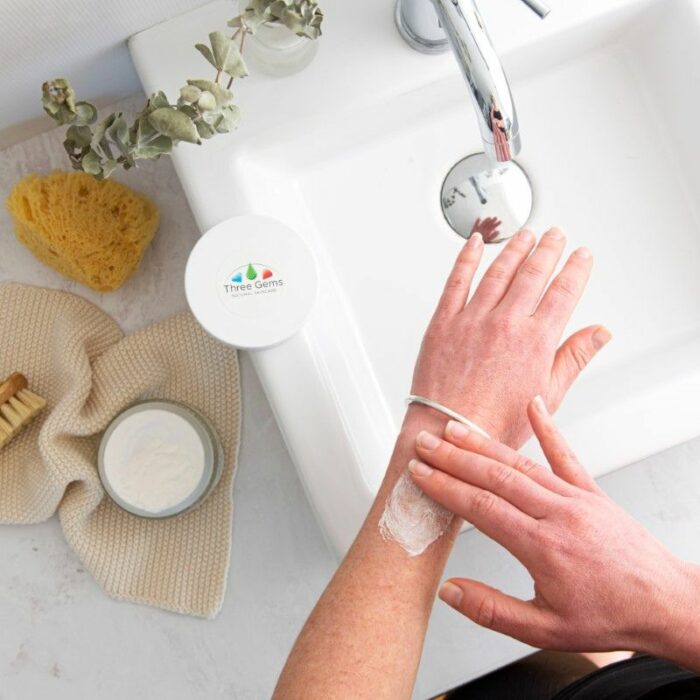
[154, 460]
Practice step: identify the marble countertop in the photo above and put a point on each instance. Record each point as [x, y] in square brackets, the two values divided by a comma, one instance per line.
[63, 638]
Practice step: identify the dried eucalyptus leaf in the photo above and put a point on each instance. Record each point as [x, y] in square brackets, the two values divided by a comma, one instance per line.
[58, 98]
[206, 102]
[222, 95]
[190, 94]
[227, 57]
[156, 148]
[206, 52]
[119, 134]
[91, 163]
[79, 136]
[108, 168]
[206, 131]
[85, 113]
[230, 119]
[303, 17]
[100, 136]
[174, 124]
[157, 100]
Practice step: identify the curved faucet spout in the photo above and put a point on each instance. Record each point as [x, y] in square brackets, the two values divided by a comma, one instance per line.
[458, 24]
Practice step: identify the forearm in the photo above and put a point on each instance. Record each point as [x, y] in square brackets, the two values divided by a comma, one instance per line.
[365, 635]
[676, 637]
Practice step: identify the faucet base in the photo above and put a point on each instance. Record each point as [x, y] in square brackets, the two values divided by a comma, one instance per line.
[423, 32]
[495, 199]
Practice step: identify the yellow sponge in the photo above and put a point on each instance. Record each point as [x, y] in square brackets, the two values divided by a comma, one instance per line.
[92, 231]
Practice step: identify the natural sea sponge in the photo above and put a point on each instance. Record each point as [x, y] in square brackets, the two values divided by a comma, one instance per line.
[92, 231]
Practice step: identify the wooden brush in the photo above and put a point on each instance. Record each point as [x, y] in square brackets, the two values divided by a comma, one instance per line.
[18, 405]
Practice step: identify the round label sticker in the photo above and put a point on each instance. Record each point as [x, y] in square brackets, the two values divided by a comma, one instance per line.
[251, 281]
[247, 288]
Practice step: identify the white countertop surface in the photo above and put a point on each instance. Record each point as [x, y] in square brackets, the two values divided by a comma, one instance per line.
[63, 638]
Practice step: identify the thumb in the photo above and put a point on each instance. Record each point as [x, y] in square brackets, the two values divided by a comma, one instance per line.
[573, 356]
[560, 456]
[493, 609]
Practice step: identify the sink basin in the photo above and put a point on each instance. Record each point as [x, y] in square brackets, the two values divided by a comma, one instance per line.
[352, 153]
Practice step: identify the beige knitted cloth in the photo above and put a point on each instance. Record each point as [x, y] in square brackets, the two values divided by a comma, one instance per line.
[77, 358]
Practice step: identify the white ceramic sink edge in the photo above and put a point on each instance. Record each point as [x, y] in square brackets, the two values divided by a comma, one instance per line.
[337, 403]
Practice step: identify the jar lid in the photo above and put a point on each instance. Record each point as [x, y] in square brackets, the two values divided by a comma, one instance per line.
[251, 281]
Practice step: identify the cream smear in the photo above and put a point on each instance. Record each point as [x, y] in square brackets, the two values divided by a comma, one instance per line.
[412, 519]
[154, 460]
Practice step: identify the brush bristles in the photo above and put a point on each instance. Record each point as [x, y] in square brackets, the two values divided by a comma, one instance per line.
[17, 412]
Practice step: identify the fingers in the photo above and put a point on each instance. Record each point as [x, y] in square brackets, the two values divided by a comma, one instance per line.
[573, 356]
[456, 291]
[488, 474]
[499, 275]
[533, 275]
[460, 436]
[497, 611]
[560, 299]
[563, 461]
[491, 514]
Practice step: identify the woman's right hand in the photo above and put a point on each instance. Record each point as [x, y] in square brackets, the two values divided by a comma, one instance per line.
[602, 581]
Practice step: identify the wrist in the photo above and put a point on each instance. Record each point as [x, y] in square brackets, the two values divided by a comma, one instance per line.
[675, 632]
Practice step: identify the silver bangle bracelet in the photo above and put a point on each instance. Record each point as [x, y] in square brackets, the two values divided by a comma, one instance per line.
[448, 412]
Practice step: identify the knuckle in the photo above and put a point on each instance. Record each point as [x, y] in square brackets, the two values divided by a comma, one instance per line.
[531, 269]
[501, 476]
[485, 613]
[483, 503]
[525, 465]
[578, 356]
[498, 272]
[565, 287]
[456, 281]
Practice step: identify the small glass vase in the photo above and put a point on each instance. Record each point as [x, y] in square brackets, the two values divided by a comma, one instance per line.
[277, 51]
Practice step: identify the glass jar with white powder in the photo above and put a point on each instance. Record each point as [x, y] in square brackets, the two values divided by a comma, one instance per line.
[158, 459]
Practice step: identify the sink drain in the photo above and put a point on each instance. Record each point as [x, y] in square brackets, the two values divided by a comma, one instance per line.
[492, 198]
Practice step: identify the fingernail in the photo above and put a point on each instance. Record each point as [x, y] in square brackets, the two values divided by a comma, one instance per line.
[583, 253]
[475, 240]
[540, 406]
[525, 234]
[451, 594]
[428, 440]
[457, 430]
[601, 337]
[555, 234]
[419, 468]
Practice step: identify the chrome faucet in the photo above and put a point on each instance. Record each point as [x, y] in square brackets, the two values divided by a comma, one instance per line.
[433, 26]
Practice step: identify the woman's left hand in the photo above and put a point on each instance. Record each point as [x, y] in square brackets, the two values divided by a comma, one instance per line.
[602, 582]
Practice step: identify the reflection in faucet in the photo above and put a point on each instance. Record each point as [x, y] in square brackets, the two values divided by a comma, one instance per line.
[458, 23]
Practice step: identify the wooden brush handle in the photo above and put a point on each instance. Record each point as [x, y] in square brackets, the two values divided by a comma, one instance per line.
[11, 386]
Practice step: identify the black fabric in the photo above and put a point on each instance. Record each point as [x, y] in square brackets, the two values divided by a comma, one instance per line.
[639, 678]
[536, 677]
[553, 676]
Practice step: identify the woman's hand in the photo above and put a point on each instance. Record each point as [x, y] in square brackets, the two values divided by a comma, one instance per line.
[487, 358]
[602, 582]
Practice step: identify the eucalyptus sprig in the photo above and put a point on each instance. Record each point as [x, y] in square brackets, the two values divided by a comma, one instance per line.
[303, 17]
[204, 108]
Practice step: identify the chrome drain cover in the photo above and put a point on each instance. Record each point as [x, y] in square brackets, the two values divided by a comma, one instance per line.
[493, 198]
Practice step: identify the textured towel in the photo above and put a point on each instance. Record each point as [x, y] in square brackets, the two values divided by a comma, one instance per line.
[77, 358]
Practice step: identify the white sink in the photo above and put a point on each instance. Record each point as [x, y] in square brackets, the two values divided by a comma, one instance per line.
[352, 153]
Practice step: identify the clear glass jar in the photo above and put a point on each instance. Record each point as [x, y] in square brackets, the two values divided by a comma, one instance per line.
[275, 50]
[212, 451]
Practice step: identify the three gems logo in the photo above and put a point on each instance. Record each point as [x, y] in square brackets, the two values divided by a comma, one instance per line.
[252, 279]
